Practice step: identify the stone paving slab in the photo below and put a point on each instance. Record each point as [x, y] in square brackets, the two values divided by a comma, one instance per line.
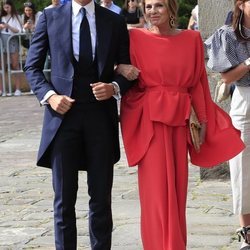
[26, 214]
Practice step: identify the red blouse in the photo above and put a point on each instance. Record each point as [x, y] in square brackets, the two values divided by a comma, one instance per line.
[172, 78]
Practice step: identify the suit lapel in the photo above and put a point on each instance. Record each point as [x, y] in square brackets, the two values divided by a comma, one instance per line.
[63, 23]
[104, 34]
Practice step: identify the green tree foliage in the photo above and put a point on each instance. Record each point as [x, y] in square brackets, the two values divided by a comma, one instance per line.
[40, 4]
[185, 8]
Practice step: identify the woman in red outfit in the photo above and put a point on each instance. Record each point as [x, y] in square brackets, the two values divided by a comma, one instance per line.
[154, 122]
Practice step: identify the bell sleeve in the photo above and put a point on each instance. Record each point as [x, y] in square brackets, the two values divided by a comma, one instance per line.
[221, 50]
[222, 140]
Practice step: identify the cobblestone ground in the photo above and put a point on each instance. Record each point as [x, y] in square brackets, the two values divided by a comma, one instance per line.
[26, 216]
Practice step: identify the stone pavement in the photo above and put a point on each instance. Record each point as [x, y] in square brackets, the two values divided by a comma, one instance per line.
[26, 217]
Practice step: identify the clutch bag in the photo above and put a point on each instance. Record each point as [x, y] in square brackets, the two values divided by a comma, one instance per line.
[222, 91]
[194, 127]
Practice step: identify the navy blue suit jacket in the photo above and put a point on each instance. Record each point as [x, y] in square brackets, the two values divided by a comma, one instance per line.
[54, 34]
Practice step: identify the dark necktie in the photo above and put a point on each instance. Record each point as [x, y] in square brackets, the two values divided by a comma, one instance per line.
[85, 48]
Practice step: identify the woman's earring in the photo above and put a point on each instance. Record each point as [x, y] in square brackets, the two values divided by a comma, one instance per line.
[241, 31]
[171, 21]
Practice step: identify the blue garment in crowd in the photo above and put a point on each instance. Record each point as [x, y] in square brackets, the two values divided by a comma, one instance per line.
[64, 1]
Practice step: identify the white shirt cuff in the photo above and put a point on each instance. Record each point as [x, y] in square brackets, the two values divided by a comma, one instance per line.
[47, 96]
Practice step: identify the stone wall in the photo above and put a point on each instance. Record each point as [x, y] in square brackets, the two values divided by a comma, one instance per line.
[212, 15]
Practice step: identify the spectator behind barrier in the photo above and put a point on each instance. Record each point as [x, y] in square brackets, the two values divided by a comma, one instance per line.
[10, 24]
[29, 21]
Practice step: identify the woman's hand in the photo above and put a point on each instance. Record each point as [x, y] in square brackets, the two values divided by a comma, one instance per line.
[3, 26]
[27, 26]
[128, 71]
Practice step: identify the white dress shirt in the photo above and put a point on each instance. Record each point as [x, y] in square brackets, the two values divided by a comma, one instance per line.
[76, 22]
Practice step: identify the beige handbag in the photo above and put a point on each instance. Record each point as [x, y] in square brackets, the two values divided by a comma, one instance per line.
[222, 91]
[194, 127]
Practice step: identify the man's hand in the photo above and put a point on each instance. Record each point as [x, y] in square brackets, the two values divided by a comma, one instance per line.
[102, 91]
[60, 103]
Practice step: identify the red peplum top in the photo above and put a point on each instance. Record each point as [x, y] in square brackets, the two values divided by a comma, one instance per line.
[173, 77]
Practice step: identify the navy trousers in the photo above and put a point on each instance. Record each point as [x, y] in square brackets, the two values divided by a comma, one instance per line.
[84, 140]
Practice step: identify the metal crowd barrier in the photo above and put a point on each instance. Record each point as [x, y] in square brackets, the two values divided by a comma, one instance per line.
[11, 71]
[2, 70]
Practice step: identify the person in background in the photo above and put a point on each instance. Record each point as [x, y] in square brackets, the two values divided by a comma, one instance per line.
[80, 129]
[154, 122]
[228, 21]
[229, 53]
[64, 1]
[9, 25]
[54, 3]
[193, 23]
[30, 17]
[229, 18]
[133, 14]
[109, 4]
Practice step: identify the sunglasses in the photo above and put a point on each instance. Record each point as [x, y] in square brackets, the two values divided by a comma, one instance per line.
[28, 4]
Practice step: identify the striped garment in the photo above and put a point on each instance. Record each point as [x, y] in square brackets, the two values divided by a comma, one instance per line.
[226, 52]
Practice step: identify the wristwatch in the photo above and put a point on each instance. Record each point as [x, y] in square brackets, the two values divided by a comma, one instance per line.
[116, 88]
[247, 62]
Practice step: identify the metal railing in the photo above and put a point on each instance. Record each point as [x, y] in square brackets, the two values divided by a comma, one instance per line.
[2, 70]
[21, 61]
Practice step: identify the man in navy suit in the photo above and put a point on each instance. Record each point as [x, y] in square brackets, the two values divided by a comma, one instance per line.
[80, 129]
